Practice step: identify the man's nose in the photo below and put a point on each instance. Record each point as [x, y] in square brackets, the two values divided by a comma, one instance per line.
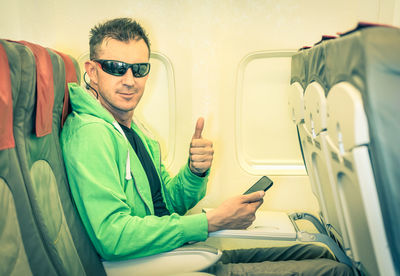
[129, 78]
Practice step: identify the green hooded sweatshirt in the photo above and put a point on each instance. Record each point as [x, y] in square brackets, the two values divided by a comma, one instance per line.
[111, 190]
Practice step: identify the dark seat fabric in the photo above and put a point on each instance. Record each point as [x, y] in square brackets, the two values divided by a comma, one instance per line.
[368, 59]
[13, 259]
[71, 75]
[21, 65]
[52, 233]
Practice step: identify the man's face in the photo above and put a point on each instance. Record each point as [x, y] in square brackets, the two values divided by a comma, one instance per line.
[121, 94]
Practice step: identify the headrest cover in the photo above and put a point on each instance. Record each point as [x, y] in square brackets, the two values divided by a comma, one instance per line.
[6, 105]
[325, 38]
[363, 25]
[70, 76]
[44, 88]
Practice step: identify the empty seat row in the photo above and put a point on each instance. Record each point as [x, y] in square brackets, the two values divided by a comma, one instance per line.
[342, 98]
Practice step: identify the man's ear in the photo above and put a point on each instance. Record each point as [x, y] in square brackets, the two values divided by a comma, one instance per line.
[91, 70]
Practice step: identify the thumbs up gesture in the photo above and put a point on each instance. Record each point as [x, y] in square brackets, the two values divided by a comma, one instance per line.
[201, 151]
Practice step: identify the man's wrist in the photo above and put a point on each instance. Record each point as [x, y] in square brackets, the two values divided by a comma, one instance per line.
[212, 227]
[191, 169]
[199, 174]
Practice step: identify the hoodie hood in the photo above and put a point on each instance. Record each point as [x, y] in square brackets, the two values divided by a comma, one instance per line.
[84, 102]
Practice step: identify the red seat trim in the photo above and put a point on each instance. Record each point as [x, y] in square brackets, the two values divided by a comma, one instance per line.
[6, 105]
[44, 89]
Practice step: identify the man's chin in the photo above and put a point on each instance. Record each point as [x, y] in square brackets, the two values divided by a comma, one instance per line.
[126, 109]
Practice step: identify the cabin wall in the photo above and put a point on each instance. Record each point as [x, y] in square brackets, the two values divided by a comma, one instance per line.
[203, 46]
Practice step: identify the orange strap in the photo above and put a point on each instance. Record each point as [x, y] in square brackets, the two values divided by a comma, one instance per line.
[6, 105]
[44, 89]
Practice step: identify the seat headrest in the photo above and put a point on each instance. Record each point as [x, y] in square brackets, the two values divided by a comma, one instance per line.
[6, 105]
[44, 89]
[70, 76]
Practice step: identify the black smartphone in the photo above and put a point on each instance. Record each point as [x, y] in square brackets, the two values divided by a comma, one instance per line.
[263, 184]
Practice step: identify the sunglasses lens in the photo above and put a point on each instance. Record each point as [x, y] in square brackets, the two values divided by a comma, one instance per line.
[140, 69]
[115, 68]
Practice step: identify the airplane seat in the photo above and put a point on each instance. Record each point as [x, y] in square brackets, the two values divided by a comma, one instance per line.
[20, 67]
[348, 147]
[362, 143]
[40, 159]
[296, 103]
[46, 234]
[298, 81]
[13, 258]
[306, 143]
[316, 126]
[297, 106]
[350, 132]
[296, 109]
[313, 132]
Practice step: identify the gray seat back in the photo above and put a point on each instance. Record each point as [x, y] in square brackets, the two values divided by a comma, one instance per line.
[22, 71]
[352, 127]
[60, 237]
[13, 259]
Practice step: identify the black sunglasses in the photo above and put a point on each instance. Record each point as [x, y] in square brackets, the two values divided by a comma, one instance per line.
[119, 68]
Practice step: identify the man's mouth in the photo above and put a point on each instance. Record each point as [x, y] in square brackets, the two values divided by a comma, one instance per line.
[127, 94]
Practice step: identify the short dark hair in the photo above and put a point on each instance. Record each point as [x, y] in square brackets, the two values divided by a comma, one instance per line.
[122, 29]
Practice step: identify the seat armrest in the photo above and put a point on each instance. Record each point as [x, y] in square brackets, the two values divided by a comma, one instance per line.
[268, 225]
[185, 259]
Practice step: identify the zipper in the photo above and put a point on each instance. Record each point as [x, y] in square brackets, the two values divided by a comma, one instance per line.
[128, 173]
[140, 195]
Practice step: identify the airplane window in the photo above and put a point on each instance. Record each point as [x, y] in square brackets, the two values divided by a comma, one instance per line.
[159, 98]
[262, 116]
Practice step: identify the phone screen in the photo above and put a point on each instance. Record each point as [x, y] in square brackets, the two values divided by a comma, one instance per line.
[263, 184]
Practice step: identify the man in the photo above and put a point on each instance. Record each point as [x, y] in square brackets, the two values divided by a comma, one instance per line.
[128, 203]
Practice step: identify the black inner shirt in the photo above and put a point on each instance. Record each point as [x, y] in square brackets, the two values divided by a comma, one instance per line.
[155, 186]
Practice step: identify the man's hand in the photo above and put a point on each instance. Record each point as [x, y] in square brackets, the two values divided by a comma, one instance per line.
[200, 152]
[235, 213]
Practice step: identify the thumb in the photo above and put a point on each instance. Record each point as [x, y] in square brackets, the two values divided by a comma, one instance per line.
[253, 197]
[199, 128]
